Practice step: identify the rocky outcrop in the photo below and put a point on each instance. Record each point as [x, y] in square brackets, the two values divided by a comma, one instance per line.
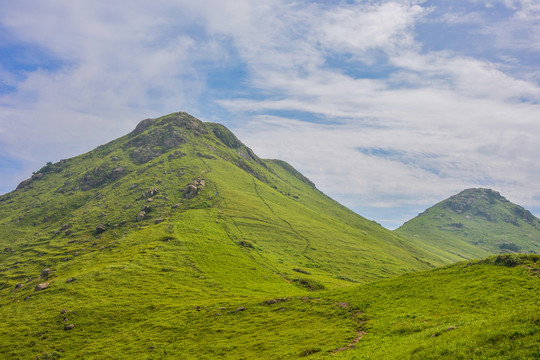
[141, 127]
[100, 176]
[152, 192]
[193, 188]
[225, 136]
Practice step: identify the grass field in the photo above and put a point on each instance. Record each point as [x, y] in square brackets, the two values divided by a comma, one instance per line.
[176, 241]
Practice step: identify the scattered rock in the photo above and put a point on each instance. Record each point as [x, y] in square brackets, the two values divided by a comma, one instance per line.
[70, 280]
[271, 301]
[451, 328]
[343, 305]
[241, 308]
[45, 273]
[190, 191]
[141, 215]
[69, 327]
[18, 286]
[157, 221]
[64, 311]
[176, 206]
[41, 286]
[152, 192]
[101, 228]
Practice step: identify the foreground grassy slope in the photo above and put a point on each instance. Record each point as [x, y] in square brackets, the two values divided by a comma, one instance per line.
[482, 309]
[477, 310]
[472, 224]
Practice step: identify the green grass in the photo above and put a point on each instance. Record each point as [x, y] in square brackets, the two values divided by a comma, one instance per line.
[258, 265]
[475, 310]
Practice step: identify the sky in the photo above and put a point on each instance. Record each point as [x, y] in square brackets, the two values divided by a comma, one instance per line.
[388, 106]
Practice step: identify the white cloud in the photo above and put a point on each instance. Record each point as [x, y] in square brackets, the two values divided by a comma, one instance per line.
[435, 122]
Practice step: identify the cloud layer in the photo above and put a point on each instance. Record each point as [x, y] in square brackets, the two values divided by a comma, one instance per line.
[388, 106]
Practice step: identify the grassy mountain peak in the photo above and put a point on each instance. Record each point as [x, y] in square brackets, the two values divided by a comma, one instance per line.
[474, 223]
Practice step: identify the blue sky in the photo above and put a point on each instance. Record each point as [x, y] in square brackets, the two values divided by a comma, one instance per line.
[388, 106]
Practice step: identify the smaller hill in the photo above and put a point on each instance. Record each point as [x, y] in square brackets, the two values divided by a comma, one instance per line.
[472, 224]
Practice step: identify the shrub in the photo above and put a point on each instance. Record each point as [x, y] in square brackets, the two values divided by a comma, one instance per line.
[309, 284]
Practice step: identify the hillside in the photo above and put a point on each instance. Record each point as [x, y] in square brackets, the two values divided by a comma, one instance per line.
[139, 237]
[481, 309]
[472, 224]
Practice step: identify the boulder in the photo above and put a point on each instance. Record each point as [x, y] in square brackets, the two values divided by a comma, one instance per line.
[18, 286]
[41, 286]
[101, 228]
[190, 191]
[141, 215]
[69, 327]
[157, 221]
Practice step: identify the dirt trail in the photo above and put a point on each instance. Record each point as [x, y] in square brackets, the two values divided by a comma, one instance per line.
[358, 317]
[308, 243]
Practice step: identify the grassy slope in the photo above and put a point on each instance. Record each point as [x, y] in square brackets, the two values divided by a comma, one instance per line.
[257, 231]
[494, 310]
[479, 310]
[473, 224]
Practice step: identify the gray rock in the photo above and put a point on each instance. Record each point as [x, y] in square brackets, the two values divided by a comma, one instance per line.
[141, 215]
[41, 286]
[190, 191]
[45, 273]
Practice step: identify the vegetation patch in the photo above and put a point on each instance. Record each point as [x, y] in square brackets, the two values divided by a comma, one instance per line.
[309, 284]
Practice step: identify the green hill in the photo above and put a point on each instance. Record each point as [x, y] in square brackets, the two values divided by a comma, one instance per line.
[139, 238]
[472, 224]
